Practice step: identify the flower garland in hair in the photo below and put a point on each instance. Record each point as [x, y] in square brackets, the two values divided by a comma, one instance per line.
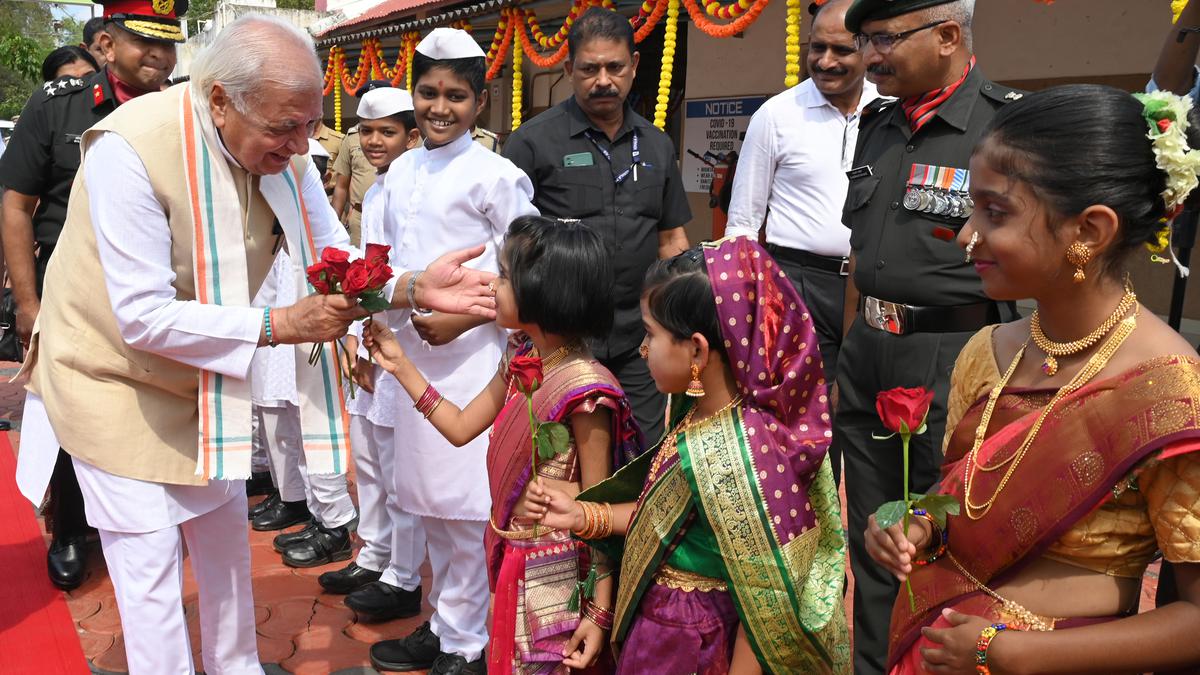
[1167, 117]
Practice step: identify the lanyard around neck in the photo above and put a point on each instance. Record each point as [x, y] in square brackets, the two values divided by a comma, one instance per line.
[637, 156]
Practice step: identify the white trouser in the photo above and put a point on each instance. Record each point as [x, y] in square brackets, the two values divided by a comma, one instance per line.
[147, 575]
[259, 461]
[327, 496]
[459, 590]
[393, 542]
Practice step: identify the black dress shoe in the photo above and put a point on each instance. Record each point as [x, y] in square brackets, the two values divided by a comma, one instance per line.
[325, 545]
[259, 483]
[415, 652]
[453, 664]
[382, 601]
[282, 541]
[256, 509]
[66, 561]
[281, 514]
[349, 578]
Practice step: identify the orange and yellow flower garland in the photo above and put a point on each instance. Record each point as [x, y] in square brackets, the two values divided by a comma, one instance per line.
[517, 88]
[791, 59]
[668, 64]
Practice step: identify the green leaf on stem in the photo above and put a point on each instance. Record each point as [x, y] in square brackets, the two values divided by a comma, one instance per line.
[373, 302]
[552, 439]
[890, 513]
[938, 507]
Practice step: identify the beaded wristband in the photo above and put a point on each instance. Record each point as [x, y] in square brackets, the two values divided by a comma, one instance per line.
[981, 646]
[267, 326]
[939, 535]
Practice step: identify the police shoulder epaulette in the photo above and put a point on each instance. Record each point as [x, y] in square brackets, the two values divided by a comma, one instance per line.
[63, 85]
[879, 105]
[1001, 93]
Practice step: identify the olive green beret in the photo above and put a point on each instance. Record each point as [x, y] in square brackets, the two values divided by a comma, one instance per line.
[873, 10]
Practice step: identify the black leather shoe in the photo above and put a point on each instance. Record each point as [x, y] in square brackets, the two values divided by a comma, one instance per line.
[325, 545]
[382, 601]
[256, 509]
[453, 664]
[415, 652]
[260, 483]
[66, 561]
[281, 514]
[283, 541]
[349, 578]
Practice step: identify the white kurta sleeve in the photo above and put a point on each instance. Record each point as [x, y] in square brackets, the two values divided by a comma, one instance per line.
[326, 229]
[754, 176]
[510, 198]
[134, 242]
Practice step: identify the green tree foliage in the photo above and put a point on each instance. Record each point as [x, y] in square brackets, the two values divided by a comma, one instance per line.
[28, 32]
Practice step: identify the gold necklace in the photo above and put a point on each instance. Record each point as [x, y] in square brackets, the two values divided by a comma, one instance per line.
[670, 444]
[557, 356]
[1059, 349]
[1094, 365]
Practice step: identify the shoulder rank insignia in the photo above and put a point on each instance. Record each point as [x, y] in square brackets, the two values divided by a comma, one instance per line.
[1013, 96]
[939, 190]
[62, 85]
[97, 94]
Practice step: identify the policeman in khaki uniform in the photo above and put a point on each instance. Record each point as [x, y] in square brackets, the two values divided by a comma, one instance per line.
[139, 39]
[912, 301]
[353, 174]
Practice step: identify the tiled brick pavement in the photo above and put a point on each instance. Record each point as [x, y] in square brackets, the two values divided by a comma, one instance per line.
[301, 629]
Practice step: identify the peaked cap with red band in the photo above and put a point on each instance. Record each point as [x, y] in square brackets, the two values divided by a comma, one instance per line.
[152, 19]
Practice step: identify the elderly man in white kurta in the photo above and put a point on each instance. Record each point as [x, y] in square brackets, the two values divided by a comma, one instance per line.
[139, 361]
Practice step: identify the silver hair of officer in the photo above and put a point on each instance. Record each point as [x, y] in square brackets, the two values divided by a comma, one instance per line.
[961, 12]
[253, 51]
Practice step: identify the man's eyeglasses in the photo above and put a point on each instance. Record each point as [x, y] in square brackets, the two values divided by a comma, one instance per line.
[884, 42]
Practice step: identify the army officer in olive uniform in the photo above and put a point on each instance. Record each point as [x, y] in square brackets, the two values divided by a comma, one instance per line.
[138, 42]
[912, 301]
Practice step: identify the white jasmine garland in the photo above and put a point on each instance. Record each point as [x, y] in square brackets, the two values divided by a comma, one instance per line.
[1167, 117]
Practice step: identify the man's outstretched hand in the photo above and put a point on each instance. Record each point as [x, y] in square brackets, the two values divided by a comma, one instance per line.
[447, 286]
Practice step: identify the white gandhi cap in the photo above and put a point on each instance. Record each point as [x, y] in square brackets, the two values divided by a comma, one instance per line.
[450, 43]
[379, 103]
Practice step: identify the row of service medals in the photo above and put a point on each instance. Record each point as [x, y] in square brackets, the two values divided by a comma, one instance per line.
[939, 190]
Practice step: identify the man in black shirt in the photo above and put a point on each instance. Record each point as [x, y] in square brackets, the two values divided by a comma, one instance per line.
[592, 158]
[38, 168]
[912, 302]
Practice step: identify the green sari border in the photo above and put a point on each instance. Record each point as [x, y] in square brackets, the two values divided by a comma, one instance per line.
[768, 602]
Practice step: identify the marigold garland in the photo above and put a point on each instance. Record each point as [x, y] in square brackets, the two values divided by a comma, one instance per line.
[540, 61]
[517, 78]
[649, 16]
[1177, 9]
[731, 11]
[792, 49]
[501, 43]
[668, 64]
[337, 109]
[725, 30]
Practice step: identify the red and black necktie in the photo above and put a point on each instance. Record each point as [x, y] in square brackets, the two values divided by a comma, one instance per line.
[920, 109]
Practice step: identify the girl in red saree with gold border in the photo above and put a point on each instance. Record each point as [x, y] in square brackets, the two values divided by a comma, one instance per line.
[555, 288]
[1074, 462]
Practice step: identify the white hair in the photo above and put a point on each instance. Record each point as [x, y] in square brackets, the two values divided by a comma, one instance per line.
[960, 11]
[252, 51]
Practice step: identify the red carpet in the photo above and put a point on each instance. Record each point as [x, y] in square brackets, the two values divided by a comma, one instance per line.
[37, 634]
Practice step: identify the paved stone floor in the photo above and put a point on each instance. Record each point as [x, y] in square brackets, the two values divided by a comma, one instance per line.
[301, 629]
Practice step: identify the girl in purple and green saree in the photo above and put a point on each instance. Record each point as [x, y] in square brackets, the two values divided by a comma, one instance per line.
[1072, 454]
[729, 534]
[555, 288]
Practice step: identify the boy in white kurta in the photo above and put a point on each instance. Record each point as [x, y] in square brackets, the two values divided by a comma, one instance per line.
[383, 581]
[449, 193]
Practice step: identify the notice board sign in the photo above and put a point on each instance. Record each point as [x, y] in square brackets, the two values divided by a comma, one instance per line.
[715, 126]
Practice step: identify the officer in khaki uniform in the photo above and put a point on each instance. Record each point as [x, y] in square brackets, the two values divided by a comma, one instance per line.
[486, 138]
[353, 174]
[912, 301]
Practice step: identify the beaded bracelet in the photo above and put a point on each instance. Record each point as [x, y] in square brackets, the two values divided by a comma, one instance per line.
[600, 616]
[981, 646]
[267, 326]
[428, 402]
[939, 535]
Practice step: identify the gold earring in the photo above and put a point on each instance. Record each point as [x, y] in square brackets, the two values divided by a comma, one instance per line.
[695, 387]
[1079, 255]
[972, 244]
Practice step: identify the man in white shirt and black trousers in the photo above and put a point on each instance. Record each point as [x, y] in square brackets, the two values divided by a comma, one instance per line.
[792, 175]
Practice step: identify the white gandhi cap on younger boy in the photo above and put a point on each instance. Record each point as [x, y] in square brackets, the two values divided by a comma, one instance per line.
[450, 43]
[379, 103]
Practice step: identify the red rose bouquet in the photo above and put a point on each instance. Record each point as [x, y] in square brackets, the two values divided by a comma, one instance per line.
[903, 412]
[362, 279]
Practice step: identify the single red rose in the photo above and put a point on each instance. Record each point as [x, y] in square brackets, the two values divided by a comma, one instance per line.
[380, 274]
[356, 278]
[317, 274]
[903, 406]
[376, 254]
[338, 261]
[526, 372]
